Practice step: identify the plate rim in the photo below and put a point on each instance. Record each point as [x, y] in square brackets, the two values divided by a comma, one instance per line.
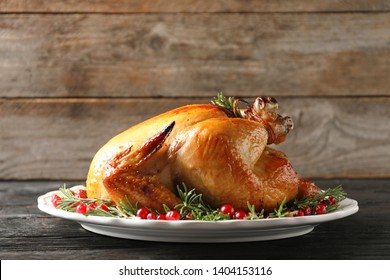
[347, 207]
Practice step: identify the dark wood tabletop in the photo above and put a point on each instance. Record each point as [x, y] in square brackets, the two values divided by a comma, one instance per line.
[28, 233]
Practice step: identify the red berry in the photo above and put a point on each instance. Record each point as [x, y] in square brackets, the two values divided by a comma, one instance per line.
[332, 200]
[151, 216]
[189, 216]
[81, 208]
[306, 210]
[161, 217]
[81, 194]
[320, 209]
[56, 200]
[92, 205]
[103, 207]
[143, 212]
[227, 209]
[299, 213]
[172, 215]
[239, 215]
[322, 201]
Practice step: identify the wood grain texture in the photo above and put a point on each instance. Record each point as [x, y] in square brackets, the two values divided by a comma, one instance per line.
[27, 233]
[138, 55]
[189, 6]
[57, 138]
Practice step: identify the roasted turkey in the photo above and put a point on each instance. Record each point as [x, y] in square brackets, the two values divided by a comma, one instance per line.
[223, 154]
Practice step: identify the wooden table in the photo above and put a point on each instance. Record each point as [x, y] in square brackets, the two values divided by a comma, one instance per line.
[27, 233]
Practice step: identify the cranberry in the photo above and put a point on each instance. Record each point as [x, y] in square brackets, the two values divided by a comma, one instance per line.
[239, 215]
[328, 201]
[81, 208]
[323, 201]
[81, 194]
[306, 210]
[320, 209]
[172, 215]
[299, 213]
[56, 200]
[143, 212]
[91, 207]
[189, 216]
[227, 209]
[151, 216]
[103, 207]
[332, 200]
[161, 217]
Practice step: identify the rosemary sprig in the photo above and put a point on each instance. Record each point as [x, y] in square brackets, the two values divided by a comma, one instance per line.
[336, 192]
[230, 104]
[253, 215]
[224, 102]
[191, 201]
[214, 215]
[282, 211]
[192, 205]
[69, 203]
[126, 209]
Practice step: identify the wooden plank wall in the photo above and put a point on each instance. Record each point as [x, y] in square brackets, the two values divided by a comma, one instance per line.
[75, 73]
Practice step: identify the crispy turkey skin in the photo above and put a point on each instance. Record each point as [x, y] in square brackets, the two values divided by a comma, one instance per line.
[206, 147]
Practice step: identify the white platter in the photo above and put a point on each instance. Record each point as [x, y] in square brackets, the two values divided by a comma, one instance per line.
[199, 231]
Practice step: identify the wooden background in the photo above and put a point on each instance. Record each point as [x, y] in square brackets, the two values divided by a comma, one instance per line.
[75, 73]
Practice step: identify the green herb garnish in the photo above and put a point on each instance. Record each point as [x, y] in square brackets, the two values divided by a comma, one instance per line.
[193, 207]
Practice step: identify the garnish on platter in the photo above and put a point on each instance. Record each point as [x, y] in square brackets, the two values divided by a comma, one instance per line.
[205, 162]
[192, 207]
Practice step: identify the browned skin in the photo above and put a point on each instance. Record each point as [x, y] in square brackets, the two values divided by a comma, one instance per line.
[124, 182]
[225, 159]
